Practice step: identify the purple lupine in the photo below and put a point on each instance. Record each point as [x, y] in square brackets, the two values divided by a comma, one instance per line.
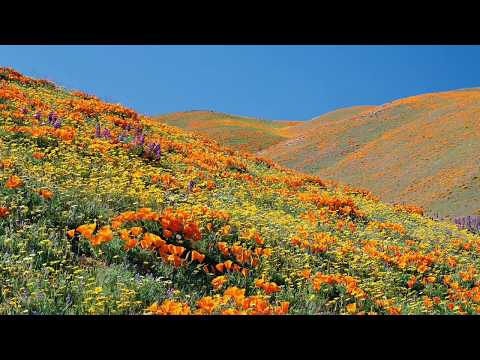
[191, 184]
[37, 116]
[469, 222]
[52, 117]
[24, 111]
[138, 131]
[97, 130]
[57, 124]
[170, 293]
[128, 127]
[106, 133]
[155, 150]
[140, 139]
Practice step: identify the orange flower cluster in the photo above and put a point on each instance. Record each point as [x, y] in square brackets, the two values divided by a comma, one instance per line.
[66, 133]
[14, 182]
[173, 222]
[251, 305]
[228, 265]
[268, 287]
[349, 282]
[168, 252]
[169, 307]
[103, 235]
[343, 206]
[232, 302]
[393, 227]
[166, 179]
[243, 255]
[402, 260]
[319, 244]
[388, 305]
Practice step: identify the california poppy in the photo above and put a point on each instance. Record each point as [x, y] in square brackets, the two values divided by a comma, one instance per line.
[4, 212]
[87, 230]
[14, 182]
[46, 194]
[197, 256]
[219, 281]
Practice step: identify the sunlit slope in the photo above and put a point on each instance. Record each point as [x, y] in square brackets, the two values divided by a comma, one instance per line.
[242, 133]
[105, 211]
[420, 150]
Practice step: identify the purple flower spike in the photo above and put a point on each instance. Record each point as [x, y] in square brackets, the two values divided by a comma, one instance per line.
[97, 130]
[52, 117]
[24, 111]
[37, 116]
[140, 139]
[57, 124]
[106, 133]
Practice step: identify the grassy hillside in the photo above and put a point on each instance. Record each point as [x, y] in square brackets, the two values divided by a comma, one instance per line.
[243, 133]
[103, 211]
[417, 150]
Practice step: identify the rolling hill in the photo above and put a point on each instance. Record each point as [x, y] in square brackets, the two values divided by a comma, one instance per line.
[417, 150]
[105, 211]
[240, 132]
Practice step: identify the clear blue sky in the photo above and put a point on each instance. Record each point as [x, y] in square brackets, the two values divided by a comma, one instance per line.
[271, 82]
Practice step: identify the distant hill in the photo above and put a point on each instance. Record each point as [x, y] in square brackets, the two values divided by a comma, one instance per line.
[243, 133]
[421, 149]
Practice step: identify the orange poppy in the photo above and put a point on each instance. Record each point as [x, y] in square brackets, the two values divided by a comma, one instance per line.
[4, 212]
[219, 281]
[197, 256]
[46, 194]
[87, 230]
[228, 264]
[14, 182]
[259, 240]
[71, 233]
[38, 156]
[220, 267]
[411, 282]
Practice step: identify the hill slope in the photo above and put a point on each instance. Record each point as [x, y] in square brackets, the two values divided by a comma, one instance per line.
[248, 134]
[103, 211]
[417, 150]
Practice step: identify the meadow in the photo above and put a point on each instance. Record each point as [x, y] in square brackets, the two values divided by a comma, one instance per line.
[105, 211]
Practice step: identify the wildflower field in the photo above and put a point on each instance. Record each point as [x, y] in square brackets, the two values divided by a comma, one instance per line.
[105, 211]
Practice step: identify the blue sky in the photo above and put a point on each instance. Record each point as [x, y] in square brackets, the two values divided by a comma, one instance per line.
[270, 82]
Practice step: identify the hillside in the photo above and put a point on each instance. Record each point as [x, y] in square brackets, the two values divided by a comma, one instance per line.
[243, 133]
[104, 211]
[417, 150]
